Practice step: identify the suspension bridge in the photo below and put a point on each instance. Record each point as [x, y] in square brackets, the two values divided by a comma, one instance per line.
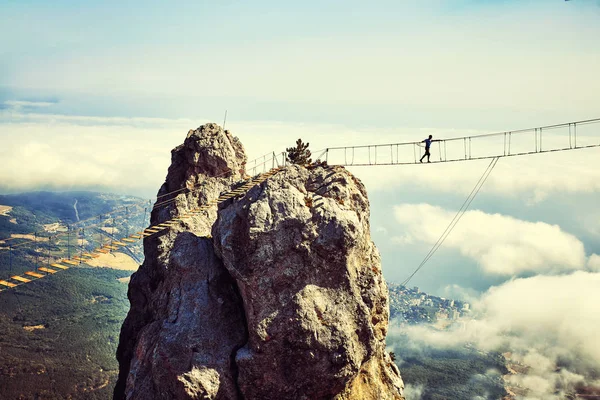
[546, 139]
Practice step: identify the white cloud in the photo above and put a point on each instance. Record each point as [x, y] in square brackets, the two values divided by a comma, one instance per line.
[59, 152]
[458, 292]
[381, 229]
[542, 320]
[501, 244]
[18, 104]
[533, 177]
[413, 392]
[594, 263]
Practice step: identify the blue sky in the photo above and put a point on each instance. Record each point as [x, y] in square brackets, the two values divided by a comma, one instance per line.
[459, 63]
[116, 85]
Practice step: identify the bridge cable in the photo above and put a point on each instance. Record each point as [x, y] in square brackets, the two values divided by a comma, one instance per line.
[456, 218]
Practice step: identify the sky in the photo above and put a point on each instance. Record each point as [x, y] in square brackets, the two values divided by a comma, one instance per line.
[95, 96]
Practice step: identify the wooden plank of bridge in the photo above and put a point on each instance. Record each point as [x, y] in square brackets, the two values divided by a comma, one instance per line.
[68, 262]
[20, 279]
[128, 240]
[48, 270]
[34, 274]
[9, 284]
[59, 266]
[91, 255]
[119, 243]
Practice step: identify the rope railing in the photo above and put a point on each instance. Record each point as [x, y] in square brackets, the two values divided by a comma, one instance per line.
[550, 138]
[54, 265]
[513, 143]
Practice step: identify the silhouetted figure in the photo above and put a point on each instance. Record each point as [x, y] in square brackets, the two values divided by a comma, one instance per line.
[428, 142]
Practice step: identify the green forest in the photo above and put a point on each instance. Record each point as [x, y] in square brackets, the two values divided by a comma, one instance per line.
[58, 336]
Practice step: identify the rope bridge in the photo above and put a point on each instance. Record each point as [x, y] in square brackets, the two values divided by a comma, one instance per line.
[68, 262]
[545, 139]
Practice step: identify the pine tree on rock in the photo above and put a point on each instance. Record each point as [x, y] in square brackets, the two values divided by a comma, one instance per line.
[299, 154]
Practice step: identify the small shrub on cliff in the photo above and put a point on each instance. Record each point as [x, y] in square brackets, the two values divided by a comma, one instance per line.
[308, 201]
[299, 154]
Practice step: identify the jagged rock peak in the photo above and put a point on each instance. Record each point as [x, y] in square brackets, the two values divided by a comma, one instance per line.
[213, 151]
[286, 300]
[207, 152]
[209, 161]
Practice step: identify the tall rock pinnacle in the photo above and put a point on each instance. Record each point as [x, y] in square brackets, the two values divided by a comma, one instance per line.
[286, 300]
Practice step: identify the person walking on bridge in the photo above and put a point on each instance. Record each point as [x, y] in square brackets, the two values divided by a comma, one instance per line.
[427, 146]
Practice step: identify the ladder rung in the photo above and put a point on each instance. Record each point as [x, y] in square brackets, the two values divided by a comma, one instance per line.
[20, 279]
[34, 274]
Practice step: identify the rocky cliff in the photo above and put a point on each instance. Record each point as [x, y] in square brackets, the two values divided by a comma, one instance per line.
[275, 295]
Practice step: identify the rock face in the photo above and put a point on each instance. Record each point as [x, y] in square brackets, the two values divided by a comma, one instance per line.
[285, 301]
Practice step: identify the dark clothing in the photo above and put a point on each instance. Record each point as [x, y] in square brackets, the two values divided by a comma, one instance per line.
[427, 146]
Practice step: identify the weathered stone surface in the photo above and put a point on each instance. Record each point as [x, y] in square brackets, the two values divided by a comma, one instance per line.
[315, 300]
[286, 301]
[186, 319]
[208, 162]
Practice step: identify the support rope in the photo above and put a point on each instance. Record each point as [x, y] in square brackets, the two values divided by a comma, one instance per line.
[456, 218]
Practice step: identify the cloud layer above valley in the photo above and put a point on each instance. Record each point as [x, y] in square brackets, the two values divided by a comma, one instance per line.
[60, 151]
[500, 244]
[545, 321]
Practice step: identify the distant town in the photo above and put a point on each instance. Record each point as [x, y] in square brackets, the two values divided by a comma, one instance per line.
[412, 306]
